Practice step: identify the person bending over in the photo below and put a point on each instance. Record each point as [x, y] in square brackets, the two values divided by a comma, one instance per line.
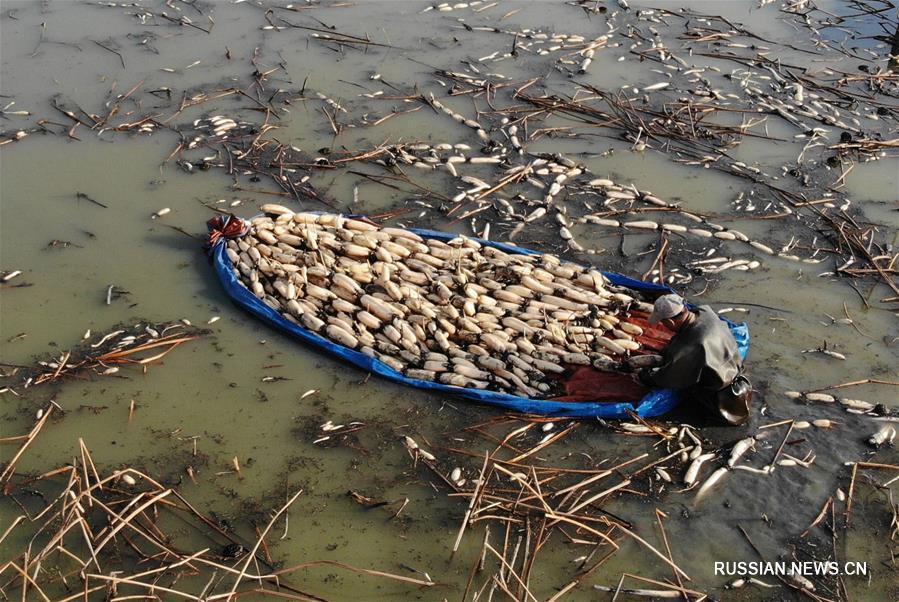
[701, 361]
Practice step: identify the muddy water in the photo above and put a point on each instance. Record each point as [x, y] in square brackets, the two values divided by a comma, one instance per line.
[207, 403]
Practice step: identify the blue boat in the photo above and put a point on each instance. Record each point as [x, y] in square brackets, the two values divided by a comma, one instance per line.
[655, 403]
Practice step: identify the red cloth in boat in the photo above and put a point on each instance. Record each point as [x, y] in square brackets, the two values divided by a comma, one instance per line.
[586, 383]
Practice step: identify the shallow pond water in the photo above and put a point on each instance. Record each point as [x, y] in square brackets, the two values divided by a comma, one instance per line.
[207, 402]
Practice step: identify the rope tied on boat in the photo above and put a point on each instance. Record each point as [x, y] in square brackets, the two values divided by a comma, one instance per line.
[225, 227]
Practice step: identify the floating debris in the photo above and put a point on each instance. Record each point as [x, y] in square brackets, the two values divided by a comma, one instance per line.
[78, 486]
[138, 345]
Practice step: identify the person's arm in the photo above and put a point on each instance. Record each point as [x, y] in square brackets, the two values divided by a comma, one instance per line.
[682, 368]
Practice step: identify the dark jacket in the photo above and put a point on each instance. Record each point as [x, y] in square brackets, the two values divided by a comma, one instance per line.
[703, 355]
